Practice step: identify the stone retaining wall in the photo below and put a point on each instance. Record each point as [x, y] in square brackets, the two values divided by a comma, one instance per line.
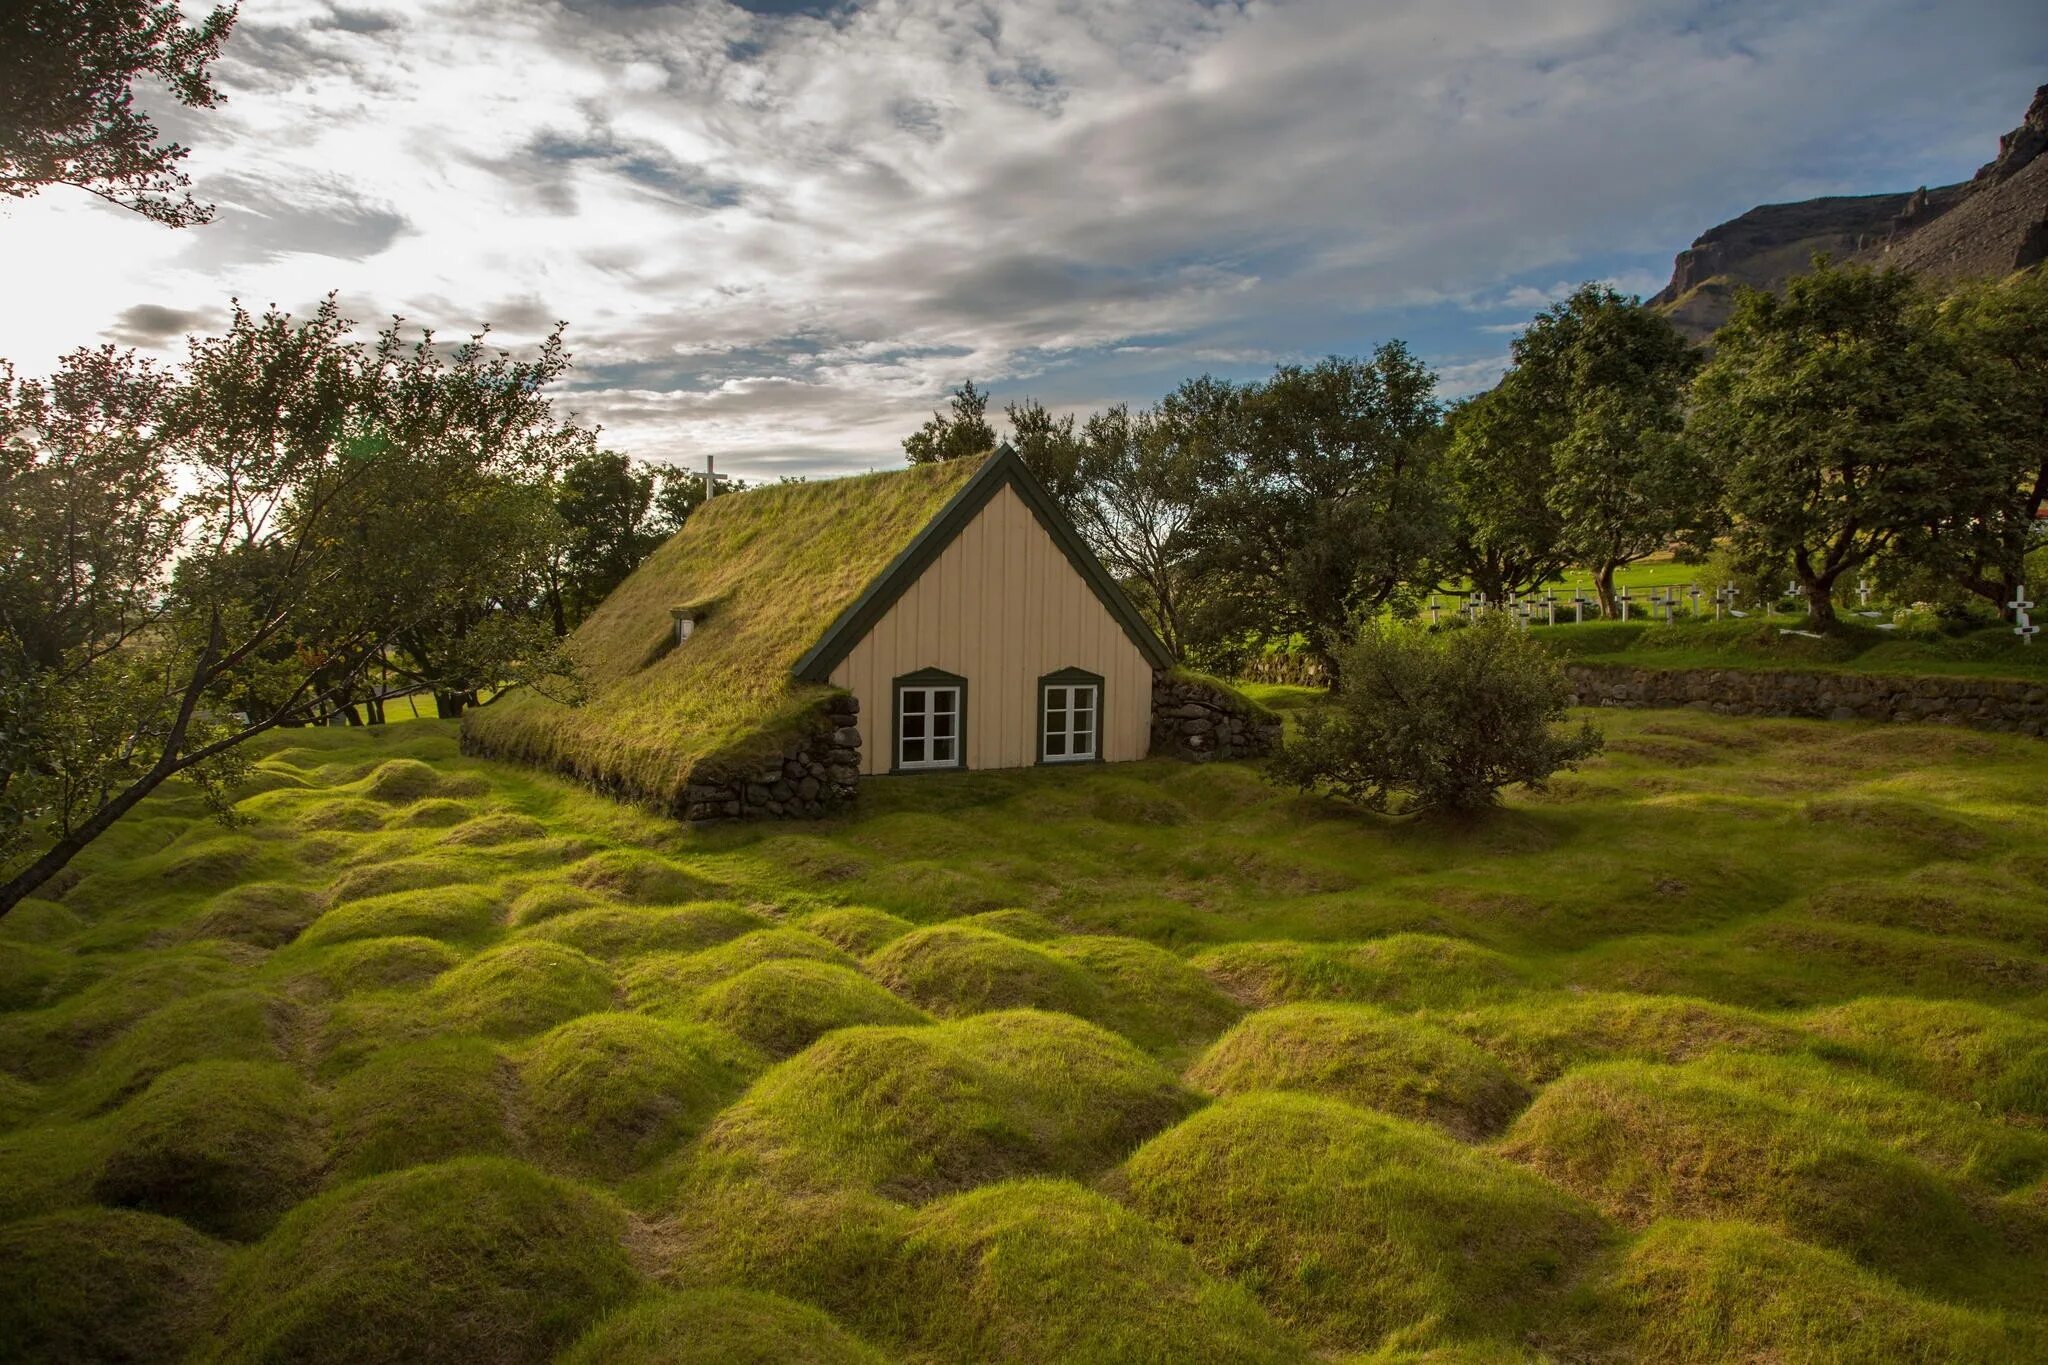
[815, 775]
[1194, 721]
[1982, 703]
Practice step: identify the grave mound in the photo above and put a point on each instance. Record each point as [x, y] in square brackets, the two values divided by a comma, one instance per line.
[953, 971]
[419, 1103]
[782, 1007]
[104, 1284]
[519, 989]
[719, 1327]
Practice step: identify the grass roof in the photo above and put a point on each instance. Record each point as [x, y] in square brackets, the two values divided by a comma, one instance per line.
[768, 570]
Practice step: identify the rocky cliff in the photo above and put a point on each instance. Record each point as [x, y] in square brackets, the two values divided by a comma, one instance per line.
[1991, 224]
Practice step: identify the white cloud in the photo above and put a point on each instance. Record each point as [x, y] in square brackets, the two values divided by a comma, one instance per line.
[779, 238]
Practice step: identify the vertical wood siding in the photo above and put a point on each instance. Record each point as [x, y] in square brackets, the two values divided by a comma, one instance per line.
[1002, 607]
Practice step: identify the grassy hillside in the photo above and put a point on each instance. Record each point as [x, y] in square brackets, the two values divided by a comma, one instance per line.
[1732, 1046]
[1853, 647]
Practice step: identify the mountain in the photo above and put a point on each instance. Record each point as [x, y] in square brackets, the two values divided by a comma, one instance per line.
[1992, 224]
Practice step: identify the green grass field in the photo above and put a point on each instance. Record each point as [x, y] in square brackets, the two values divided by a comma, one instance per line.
[1731, 1046]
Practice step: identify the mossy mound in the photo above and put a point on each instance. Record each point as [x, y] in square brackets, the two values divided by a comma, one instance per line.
[354, 1027]
[1541, 1037]
[32, 976]
[668, 983]
[49, 1042]
[521, 988]
[225, 1146]
[1361, 1230]
[339, 815]
[383, 878]
[19, 1100]
[719, 1327]
[456, 913]
[265, 914]
[434, 813]
[615, 931]
[914, 1113]
[858, 929]
[608, 1093]
[642, 878]
[1710, 1292]
[495, 830]
[782, 1007]
[1028, 925]
[475, 1259]
[1645, 1142]
[419, 1103]
[1401, 971]
[1149, 995]
[1961, 1050]
[955, 971]
[374, 964]
[49, 1166]
[1122, 801]
[836, 1249]
[1364, 1056]
[38, 920]
[104, 1285]
[545, 901]
[1045, 1271]
[230, 1025]
[401, 781]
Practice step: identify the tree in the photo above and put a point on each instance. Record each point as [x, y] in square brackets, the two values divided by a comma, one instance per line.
[309, 507]
[1596, 393]
[1504, 534]
[962, 435]
[1428, 720]
[1133, 503]
[1317, 500]
[2000, 331]
[1843, 427]
[605, 504]
[68, 70]
[1050, 447]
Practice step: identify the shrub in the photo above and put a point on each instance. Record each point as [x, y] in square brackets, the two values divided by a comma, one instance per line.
[520, 988]
[1352, 1226]
[952, 970]
[782, 1007]
[475, 1259]
[103, 1284]
[225, 1146]
[1043, 1270]
[608, 1093]
[1365, 1057]
[1438, 720]
[917, 1112]
[719, 1327]
[419, 1103]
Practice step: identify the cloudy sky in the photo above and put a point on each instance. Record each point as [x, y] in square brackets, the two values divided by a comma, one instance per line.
[780, 231]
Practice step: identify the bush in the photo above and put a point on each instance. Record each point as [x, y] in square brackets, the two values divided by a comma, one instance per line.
[478, 1259]
[1438, 720]
[103, 1284]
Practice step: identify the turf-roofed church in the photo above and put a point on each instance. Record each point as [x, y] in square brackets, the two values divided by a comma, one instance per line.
[791, 639]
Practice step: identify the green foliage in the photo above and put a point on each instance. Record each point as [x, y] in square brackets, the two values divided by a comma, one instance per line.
[960, 434]
[69, 117]
[1043, 1270]
[783, 1006]
[1430, 721]
[1841, 423]
[917, 1112]
[616, 513]
[103, 1284]
[476, 1259]
[226, 1146]
[718, 1327]
[1367, 1057]
[1356, 1229]
[1505, 534]
[607, 1093]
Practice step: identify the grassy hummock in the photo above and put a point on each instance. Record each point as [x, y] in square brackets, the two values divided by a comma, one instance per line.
[770, 569]
[784, 1006]
[420, 1103]
[719, 1327]
[104, 1284]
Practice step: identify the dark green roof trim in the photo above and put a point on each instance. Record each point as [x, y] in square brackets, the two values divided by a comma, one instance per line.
[1005, 468]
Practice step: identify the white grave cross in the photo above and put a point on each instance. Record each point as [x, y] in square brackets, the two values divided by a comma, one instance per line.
[2025, 629]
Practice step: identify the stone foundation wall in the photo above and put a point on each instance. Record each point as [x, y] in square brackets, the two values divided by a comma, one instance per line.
[815, 775]
[1195, 722]
[1982, 703]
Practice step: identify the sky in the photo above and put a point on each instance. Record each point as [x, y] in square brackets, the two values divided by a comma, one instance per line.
[780, 232]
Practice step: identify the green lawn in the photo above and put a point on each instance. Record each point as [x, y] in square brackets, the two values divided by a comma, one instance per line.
[1733, 1045]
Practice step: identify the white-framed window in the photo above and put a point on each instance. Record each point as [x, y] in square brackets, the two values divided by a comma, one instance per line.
[1069, 717]
[931, 716]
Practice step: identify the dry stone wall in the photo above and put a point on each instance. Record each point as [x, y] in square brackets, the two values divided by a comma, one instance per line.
[1194, 721]
[1982, 703]
[814, 776]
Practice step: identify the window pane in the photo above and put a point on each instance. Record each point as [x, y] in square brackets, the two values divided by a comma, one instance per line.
[942, 725]
[913, 727]
[942, 751]
[944, 699]
[1055, 745]
[913, 751]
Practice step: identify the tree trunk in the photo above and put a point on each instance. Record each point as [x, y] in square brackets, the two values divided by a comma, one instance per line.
[374, 705]
[448, 705]
[1820, 600]
[1603, 586]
